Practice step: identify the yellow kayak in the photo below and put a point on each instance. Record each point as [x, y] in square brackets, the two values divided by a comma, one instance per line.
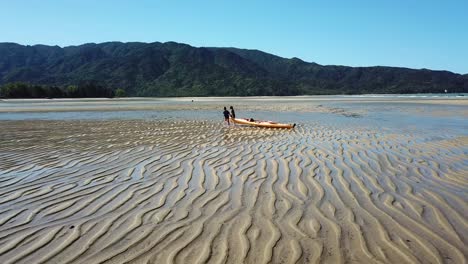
[269, 124]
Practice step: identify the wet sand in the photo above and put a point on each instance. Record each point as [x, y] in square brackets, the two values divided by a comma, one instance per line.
[174, 185]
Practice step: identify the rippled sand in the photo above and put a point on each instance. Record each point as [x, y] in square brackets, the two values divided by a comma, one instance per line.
[195, 191]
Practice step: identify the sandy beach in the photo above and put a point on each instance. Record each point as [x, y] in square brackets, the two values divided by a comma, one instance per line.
[359, 180]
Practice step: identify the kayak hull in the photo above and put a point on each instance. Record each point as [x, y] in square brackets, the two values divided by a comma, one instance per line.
[267, 124]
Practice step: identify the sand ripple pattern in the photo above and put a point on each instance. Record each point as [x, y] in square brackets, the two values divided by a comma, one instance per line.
[197, 192]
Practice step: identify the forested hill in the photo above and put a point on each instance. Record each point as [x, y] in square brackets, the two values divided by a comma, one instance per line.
[173, 69]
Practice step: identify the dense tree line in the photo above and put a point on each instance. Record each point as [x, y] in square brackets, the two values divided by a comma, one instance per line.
[82, 90]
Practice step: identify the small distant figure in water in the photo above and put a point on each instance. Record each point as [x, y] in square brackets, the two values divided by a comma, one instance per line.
[233, 114]
[226, 116]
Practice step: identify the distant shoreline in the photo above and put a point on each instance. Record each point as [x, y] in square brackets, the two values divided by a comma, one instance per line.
[415, 95]
[212, 104]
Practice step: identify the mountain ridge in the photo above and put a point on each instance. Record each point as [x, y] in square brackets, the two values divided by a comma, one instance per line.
[178, 69]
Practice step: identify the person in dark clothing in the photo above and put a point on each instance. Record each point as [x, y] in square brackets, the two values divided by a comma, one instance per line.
[226, 115]
[233, 114]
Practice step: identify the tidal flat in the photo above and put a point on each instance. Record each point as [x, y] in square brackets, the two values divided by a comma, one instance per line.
[361, 179]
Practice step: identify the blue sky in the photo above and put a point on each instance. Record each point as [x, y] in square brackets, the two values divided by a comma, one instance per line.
[415, 34]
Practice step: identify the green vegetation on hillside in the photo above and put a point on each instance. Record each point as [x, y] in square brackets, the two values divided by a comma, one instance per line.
[120, 93]
[173, 69]
[83, 90]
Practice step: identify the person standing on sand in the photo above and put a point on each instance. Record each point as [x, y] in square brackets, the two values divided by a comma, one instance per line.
[226, 115]
[233, 114]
